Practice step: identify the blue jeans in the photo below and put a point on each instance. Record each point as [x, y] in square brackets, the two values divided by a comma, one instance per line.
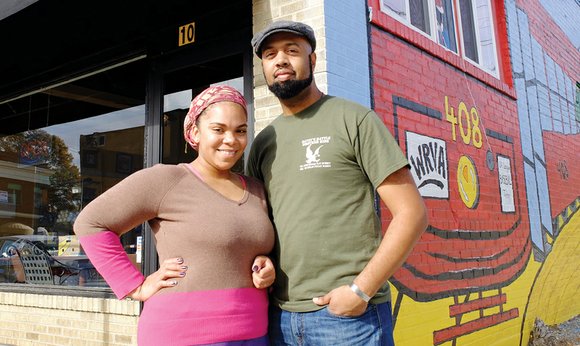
[318, 328]
[261, 341]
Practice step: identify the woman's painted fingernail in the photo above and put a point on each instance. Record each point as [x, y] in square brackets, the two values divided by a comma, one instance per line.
[174, 282]
[255, 268]
[182, 274]
[179, 260]
[184, 267]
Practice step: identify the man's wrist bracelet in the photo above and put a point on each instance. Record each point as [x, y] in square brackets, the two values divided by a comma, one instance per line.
[358, 292]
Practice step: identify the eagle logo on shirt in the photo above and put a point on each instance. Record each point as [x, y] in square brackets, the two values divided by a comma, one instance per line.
[313, 156]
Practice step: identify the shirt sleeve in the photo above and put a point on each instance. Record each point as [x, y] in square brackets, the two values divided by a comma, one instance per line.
[377, 152]
[252, 166]
[107, 255]
[129, 203]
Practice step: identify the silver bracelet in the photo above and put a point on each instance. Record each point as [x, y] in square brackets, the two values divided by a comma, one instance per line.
[358, 292]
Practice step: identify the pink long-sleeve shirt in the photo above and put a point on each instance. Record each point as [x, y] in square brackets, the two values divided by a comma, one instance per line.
[218, 239]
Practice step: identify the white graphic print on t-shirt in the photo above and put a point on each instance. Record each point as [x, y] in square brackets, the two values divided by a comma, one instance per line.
[313, 153]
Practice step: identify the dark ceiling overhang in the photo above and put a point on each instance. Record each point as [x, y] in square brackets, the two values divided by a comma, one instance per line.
[47, 41]
[9, 7]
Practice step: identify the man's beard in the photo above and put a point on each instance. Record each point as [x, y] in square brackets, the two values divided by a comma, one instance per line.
[290, 88]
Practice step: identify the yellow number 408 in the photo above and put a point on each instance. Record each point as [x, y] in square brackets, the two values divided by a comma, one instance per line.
[470, 131]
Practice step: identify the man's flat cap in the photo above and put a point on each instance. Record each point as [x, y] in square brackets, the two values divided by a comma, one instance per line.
[283, 26]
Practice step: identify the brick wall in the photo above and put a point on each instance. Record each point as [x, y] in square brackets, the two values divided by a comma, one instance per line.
[33, 319]
[347, 58]
[264, 12]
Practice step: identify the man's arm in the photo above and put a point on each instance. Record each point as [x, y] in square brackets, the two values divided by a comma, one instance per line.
[399, 193]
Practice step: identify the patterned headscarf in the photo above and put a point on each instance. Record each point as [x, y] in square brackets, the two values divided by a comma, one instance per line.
[209, 96]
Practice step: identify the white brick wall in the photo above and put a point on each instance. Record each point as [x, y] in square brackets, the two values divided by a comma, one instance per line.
[33, 319]
[310, 12]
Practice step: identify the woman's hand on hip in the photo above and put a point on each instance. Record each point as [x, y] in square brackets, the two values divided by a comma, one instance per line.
[166, 276]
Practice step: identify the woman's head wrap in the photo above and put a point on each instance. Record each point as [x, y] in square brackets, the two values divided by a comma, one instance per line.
[209, 96]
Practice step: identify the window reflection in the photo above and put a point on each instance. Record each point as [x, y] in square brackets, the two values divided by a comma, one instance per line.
[93, 138]
[398, 7]
[419, 15]
[445, 24]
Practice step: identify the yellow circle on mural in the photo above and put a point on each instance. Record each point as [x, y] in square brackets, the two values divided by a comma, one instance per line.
[467, 182]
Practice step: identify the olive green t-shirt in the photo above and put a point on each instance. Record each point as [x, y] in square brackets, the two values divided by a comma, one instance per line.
[320, 168]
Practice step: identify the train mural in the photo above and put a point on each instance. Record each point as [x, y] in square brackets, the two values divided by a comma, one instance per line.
[497, 166]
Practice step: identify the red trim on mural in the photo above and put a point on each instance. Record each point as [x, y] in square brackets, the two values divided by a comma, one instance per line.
[448, 334]
[483, 303]
[502, 42]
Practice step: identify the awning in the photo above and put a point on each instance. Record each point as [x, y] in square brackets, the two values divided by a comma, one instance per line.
[9, 7]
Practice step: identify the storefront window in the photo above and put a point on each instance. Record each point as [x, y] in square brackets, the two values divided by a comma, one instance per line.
[60, 149]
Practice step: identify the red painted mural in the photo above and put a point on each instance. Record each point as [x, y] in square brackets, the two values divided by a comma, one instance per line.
[477, 238]
[562, 166]
[459, 129]
[463, 146]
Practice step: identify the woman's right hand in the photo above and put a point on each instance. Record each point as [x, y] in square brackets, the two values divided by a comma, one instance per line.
[170, 270]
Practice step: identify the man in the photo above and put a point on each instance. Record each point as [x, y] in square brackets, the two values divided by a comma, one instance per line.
[321, 162]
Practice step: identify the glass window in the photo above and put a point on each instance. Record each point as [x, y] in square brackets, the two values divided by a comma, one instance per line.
[419, 15]
[478, 33]
[415, 12]
[398, 7]
[578, 101]
[468, 30]
[436, 19]
[59, 149]
[486, 36]
[445, 24]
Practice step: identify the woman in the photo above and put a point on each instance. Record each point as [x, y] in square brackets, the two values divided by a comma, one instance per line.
[211, 229]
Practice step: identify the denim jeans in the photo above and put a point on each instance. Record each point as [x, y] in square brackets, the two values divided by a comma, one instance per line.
[319, 328]
[261, 341]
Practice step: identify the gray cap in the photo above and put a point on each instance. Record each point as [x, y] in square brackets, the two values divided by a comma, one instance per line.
[283, 26]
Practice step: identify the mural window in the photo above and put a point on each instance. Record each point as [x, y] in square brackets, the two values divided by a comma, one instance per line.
[436, 19]
[59, 149]
[445, 24]
[577, 101]
[478, 34]
[419, 14]
[413, 12]
[397, 7]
